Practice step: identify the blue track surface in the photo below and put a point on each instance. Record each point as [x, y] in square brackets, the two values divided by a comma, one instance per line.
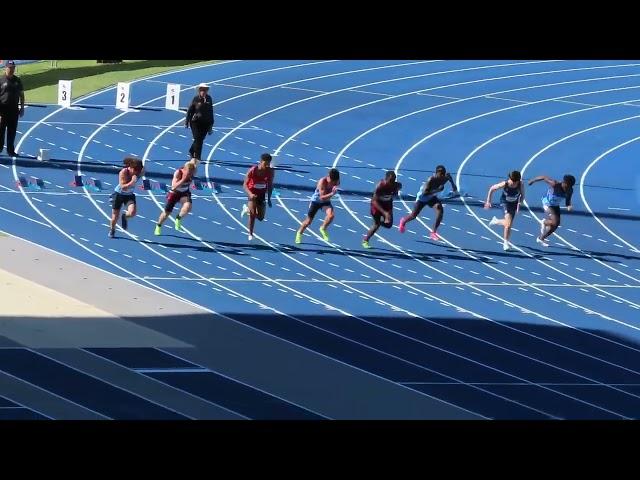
[532, 333]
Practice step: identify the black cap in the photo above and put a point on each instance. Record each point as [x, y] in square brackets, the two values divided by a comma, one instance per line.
[10, 63]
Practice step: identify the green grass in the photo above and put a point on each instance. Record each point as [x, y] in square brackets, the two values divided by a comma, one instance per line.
[40, 80]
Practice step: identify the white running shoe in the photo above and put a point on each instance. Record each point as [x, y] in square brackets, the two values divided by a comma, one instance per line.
[244, 211]
[505, 246]
[542, 242]
[494, 221]
[250, 237]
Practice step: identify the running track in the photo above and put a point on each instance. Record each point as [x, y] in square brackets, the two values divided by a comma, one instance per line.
[529, 334]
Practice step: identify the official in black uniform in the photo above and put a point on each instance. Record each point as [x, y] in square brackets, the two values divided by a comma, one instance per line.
[11, 94]
[200, 119]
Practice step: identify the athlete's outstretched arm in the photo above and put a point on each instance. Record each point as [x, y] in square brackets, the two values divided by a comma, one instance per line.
[550, 181]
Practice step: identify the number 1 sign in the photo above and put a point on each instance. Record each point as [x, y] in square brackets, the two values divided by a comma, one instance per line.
[172, 101]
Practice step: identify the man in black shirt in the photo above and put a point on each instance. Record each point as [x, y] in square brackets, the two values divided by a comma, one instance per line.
[200, 119]
[11, 93]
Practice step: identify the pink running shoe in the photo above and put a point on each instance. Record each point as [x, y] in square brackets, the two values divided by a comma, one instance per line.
[434, 236]
[401, 227]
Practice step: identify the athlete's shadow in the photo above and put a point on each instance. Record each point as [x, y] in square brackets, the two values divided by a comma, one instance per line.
[483, 254]
[160, 241]
[219, 247]
[538, 253]
[242, 248]
[231, 248]
[608, 257]
[376, 253]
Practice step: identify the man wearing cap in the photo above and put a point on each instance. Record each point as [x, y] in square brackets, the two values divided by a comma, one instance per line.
[200, 119]
[11, 93]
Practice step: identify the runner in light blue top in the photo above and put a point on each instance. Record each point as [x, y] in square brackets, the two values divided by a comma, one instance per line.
[551, 203]
[123, 193]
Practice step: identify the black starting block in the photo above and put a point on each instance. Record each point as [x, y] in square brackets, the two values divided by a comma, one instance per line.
[153, 187]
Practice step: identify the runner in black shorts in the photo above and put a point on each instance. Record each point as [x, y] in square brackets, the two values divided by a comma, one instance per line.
[258, 183]
[429, 197]
[382, 205]
[180, 192]
[551, 203]
[512, 196]
[123, 193]
[326, 188]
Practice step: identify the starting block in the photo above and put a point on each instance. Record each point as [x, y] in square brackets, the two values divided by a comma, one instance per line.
[449, 194]
[444, 196]
[43, 154]
[92, 184]
[205, 186]
[77, 181]
[153, 187]
[459, 193]
[32, 183]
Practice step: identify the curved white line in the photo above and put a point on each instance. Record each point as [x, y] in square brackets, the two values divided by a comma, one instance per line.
[633, 248]
[54, 225]
[214, 195]
[588, 311]
[352, 87]
[450, 126]
[525, 166]
[250, 300]
[370, 84]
